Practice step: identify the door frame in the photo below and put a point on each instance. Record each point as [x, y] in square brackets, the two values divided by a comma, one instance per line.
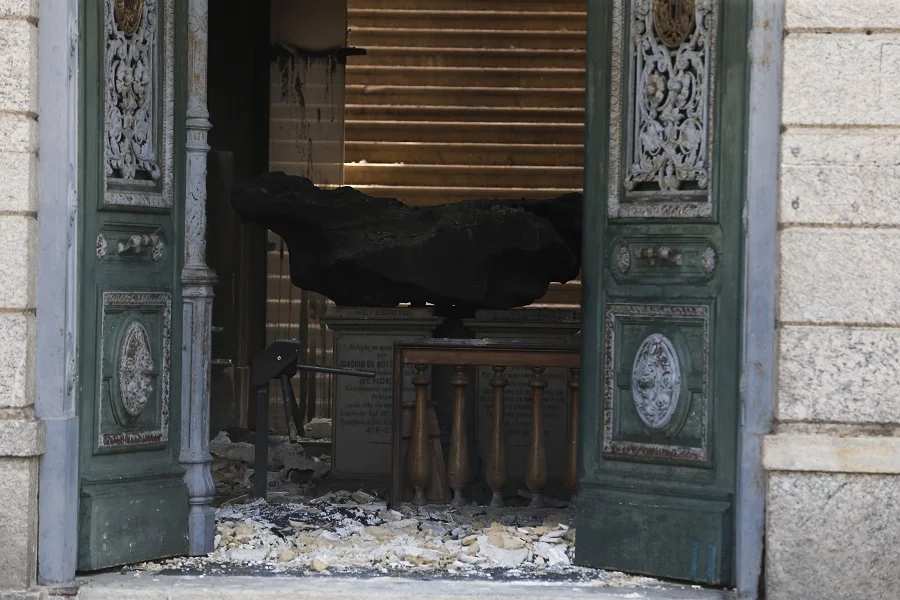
[760, 288]
[57, 294]
[57, 288]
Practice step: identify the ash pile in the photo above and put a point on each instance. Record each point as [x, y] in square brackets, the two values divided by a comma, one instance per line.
[349, 532]
[293, 469]
[356, 533]
[344, 532]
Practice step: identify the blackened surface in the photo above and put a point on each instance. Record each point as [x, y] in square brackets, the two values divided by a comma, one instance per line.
[364, 251]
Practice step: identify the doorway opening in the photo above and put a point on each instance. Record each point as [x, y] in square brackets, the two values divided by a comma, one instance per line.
[425, 115]
[451, 101]
[243, 57]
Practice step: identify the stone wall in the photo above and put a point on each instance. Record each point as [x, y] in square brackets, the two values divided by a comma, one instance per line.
[833, 488]
[21, 437]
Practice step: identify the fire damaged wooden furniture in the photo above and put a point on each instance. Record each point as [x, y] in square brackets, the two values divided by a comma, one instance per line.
[418, 461]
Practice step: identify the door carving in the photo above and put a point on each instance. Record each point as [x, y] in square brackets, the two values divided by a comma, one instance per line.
[656, 381]
[665, 121]
[134, 504]
[139, 105]
[666, 194]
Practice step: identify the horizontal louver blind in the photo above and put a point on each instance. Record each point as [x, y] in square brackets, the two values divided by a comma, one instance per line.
[460, 99]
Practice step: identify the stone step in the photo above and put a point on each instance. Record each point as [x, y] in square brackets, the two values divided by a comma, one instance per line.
[465, 153]
[503, 114]
[424, 56]
[434, 195]
[462, 176]
[378, 93]
[465, 76]
[464, 131]
[271, 586]
[372, 37]
[491, 5]
[468, 19]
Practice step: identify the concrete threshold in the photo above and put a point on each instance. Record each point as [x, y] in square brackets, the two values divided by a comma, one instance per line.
[116, 586]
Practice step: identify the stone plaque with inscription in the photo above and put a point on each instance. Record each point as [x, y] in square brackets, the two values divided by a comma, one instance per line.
[534, 325]
[361, 409]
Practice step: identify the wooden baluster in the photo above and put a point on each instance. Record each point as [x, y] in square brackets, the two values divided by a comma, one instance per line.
[498, 469]
[459, 444]
[536, 472]
[418, 461]
[571, 476]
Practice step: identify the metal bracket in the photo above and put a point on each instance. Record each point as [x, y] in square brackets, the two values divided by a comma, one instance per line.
[136, 244]
[281, 360]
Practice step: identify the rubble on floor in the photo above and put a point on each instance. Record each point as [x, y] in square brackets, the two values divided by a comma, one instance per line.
[319, 428]
[343, 530]
[291, 472]
[356, 533]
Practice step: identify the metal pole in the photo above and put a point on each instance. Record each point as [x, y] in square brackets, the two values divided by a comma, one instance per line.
[335, 370]
[260, 464]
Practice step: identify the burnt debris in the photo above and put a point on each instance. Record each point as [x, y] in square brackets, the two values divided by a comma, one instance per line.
[360, 250]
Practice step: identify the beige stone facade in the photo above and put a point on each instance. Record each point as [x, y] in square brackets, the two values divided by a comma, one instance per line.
[21, 438]
[834, 460]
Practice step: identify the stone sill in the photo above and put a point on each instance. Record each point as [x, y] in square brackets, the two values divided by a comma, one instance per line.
[116, 586]
[832, 454]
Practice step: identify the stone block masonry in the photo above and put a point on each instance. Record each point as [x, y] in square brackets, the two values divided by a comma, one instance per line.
[21, 435]
[834, 536]
[833, 479]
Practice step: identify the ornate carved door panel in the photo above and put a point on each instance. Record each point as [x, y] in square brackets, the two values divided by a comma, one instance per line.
[133, 502]
[664, 193]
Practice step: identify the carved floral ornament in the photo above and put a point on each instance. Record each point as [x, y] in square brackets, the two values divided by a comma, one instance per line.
[623, 259]
[131, 115]
[102, 247]
[661, 108]
[136, 369]
[656, 381]
[669, 137]
[708, 260]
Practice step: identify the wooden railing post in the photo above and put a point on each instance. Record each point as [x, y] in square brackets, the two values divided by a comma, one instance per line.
[420, 467]
[418, 459]
[459, 445]
[571, 475]
[536, 472]
[498, 468]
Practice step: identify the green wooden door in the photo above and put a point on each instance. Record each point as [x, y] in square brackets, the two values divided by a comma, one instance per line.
[664, 195]
[133, 502]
